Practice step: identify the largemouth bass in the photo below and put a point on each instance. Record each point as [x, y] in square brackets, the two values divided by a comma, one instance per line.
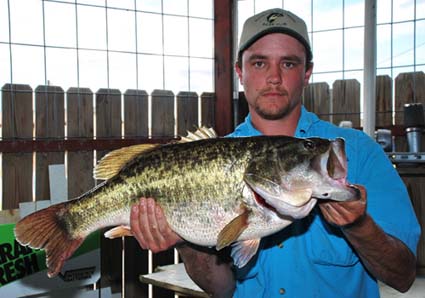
[214, 192]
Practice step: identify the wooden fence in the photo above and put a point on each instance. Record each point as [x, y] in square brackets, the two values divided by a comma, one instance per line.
[64, 124]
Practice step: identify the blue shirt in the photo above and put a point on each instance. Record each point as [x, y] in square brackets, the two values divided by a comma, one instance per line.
[310, 258]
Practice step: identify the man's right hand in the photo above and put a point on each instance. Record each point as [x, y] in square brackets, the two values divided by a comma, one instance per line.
[150, 227]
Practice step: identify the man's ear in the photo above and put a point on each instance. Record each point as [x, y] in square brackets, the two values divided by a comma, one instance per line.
[238, 71]
[308, 72]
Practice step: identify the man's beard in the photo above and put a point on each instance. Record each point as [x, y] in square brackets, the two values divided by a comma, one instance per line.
[280, 113]
[273, 115]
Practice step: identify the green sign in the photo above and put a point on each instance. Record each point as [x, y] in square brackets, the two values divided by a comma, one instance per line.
[17, 261]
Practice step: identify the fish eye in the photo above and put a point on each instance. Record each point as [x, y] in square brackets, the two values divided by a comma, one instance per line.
[309, 145]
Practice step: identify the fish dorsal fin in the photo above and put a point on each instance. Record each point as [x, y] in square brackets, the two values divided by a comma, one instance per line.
[201, 133]
[115, 160]
[232, 230]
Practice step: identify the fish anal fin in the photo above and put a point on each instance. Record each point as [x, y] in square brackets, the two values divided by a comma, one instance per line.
[115, 160]
[243, 251]
[232, 230]
[119, 231]
[46, 230]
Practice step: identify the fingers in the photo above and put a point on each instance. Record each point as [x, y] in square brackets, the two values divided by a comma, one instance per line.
[150, 227]
[345, 213]
[137, 211]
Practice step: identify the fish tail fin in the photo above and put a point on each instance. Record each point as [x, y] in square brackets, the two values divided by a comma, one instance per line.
[45, 229]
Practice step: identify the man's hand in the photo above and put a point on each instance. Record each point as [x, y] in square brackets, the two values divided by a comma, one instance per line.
[150, 227]
[385, 257]
[345, 213]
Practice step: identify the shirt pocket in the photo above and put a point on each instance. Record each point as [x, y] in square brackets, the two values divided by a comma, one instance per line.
[326, 245]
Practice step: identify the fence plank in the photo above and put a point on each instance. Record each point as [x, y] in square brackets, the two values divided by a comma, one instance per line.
[384, 101]
[162, 113]
[49, 124]
[409, 88]
[208, 109]
[346, 101]
[317, 100]
[17, 123]
[79, 125]
[162, 125]
[108, 125]
[136, 113]
[187, 112]
[136, 259]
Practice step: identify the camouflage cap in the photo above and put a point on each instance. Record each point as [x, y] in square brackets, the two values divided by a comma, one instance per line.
[274, 20]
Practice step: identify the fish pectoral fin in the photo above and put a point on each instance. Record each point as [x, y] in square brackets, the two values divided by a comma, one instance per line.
[118, 232]
[232, 230]
[114, 161]
[243, 251]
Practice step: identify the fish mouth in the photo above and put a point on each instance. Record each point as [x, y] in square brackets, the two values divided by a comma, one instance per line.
[276, 207]
[332, 165]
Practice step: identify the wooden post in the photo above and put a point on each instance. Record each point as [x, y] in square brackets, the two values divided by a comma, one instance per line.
[409, 88]
[162, 113]
[17, 123]
[108, 125]
[346, 101]
[223, 53]
[384, 101]
[208, 109]
[162, 125]
[79, 125]
[317, 99]
[49, 124]
[187, 112]
[136, 113]
[135, 258]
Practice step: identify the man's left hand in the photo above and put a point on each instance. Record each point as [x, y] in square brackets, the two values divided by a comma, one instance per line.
[345, 213]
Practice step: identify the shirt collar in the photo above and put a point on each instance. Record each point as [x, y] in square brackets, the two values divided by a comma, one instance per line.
[306, 121]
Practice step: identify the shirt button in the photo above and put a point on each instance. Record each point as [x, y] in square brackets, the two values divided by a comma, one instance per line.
[282, 291]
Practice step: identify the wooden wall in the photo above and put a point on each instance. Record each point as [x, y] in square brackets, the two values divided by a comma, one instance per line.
[117, 120]
[47, 125]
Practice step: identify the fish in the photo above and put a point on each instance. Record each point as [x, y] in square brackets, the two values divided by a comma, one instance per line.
[214, 192]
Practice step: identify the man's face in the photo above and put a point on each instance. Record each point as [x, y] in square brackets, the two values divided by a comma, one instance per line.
[274, 75]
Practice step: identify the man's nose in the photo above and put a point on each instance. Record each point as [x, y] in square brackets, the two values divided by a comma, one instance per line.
[274, 75]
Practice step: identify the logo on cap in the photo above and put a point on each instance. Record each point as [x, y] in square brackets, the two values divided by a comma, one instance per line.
[271, 18]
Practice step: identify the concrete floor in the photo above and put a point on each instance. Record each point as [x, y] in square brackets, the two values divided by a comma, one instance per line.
[416, 291]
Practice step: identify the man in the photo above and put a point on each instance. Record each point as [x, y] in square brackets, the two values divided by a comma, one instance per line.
[341, 248]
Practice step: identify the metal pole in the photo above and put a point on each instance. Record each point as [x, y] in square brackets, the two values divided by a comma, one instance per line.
[369, 76]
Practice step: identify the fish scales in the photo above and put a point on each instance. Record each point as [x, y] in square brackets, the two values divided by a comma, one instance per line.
[161, 174]
[212, 192]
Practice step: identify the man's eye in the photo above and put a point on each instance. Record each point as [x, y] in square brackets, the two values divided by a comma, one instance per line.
[258, 64]
[288, 65]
